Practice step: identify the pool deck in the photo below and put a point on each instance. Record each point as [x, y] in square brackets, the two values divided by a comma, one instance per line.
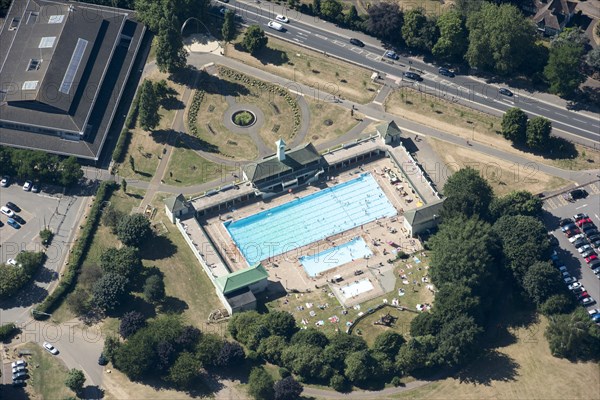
[286, 268]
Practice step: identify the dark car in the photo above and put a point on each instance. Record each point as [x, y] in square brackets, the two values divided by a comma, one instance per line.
[413, 76]
[391, 54]
[13, 206]
[505, 92]
[568, 227]
[18, 218]
[445, 72]
[590, 232]
[587, 227]
[578, 194]
[565, 222]
[553, 240]
[357, 42]
[579, 243]
[13, 223]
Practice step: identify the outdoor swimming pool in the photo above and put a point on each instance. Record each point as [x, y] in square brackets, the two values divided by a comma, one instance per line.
[309, 219]
[335, 256]
[356, 288]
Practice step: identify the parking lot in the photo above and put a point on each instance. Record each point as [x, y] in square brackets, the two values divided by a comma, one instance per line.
[556, 209]
[51, 209]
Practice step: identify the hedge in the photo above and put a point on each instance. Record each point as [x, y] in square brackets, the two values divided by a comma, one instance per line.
[78, 252]
[121, 147]
[8, 331]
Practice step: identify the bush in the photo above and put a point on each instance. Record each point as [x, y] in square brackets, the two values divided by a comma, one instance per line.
[121, 147]
[244, 118]
[284, 372]
[338, 383]
[396, 381]
[46, 235]
[7, 331]
[78, 253]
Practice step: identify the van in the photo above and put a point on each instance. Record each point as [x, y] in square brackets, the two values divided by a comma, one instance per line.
[275, 25]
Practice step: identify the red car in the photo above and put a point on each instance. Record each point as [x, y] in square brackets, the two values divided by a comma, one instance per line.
[584, 221]
[572, 232]
[583, 295]
[591, 258]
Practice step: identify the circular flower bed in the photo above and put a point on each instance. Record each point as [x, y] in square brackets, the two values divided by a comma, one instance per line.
[243, 118]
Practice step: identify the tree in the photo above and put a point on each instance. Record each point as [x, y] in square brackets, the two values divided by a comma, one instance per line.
[538, 132]
[574, 35]
[500, 38]
[185, 371]
[30, 261]
[281, 323]
[154, 288]
[287, 389]
[417, 353]
[171, 56]
[231, 354]
[563, 68]
[75, 380]
[124, 185]
[131, 322]
[208, 349]
[339, 347]
[228, 28]
[111, 347]
[457, 341]
[519, 202]
[360, 366]
[452, 44]
[524, 241]
[124, 261]
[110, 291]
[388, 343]
[467, 193]
[574, 336]
[133, 230]
[419, 32]
[189, 338]
[111, 217]
[311, 337]
[136, 357]
[592, 59]
[11, 280]
[557, 304]
[514, 125]
[306, 361]
[331, 10]
[70, 171]
[260, 384]
[454, 300]
[352, 19]
[271, 348]
[254, 39]
[148, 105]
[385, 19]
[541, 281]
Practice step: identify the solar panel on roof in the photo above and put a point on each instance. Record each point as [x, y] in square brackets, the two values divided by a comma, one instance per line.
[76, 57]
[29, 85]
[47, 42]
[56, 19]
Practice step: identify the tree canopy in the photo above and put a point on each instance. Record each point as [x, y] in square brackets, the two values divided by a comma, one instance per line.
[538, 132]
[260, 384]
[563, 68]
[75, 380]
[148, 105]
[110, 291]
[254, 39]
[418, 31]
[385, 20]
[467, 193]
[452, 44]
[134, 230]
[514, 125]
[287, 389]
[541, 281]
[574, 336]
[519, 202]
[124, 261]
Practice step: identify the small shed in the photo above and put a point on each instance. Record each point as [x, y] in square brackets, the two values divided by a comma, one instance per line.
[177, 207]
[420, 219]
[389, 132]
[253, 278]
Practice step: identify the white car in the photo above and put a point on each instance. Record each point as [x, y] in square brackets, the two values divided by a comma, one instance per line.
[27, 186]
[4, 181]
[275, 25]
[7, 211]
[574, 286]
[576, 237]
[18, 369]
[12, 261]
[582, 249]
[18, 363]
[562, 268]
[51, 349]
[570, 280]
[282, 18]
[588, 301]
[594, 311]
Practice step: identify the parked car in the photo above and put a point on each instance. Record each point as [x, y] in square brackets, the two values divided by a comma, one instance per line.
[574, 286]
[588, 301]
[562, 268]
[18, 382]
[5, 181]
[445, 72]
[13, 206]
[582, 221]
[596, 318]
[565, 221]
[594, 311]
[12, 261]
[35, 188]
[580, 243]
[596, 244]
[19, 363]
[27, 186]
[51, 349]
[18, 369]
[7, 211]
[413, 76]
[18, 218]
[568, 227]
[594, 264]
[13, 223]
[572, 239]
[578, 290]
[570, 280]
[282, 18]
[591, 231]
[357, 42]
[591, 258]
[391, 54]
[583, 295]
[574, 231]
[19, 375]
[505, 92]
[584, 248]
[579, 216]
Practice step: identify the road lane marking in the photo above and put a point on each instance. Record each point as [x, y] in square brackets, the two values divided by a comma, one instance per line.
[356, 50]
[321, 36]
[578, 120]
[577, 208]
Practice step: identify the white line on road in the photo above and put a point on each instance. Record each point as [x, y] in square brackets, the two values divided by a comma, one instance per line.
[321, 36]
[339, 43]
[545, 109]
[303, 30]
[597, 217]
[356, 50]
[577, 208]
[302, 34]
[578, 120]
[297, 40]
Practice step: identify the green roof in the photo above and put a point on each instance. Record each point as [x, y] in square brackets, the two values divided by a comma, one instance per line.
[242, 278]
[388, 129]
[294, 160]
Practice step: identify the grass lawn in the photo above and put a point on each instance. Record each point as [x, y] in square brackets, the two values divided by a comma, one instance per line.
[473, 125]
[503, 176]
[47, 374]
[524, 369]
[327, 75]
[188, 168]
[144, 149]
[328, 121]
[367, 329]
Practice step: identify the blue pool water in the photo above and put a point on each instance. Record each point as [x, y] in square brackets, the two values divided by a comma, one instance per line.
[335, 256]
[309, 219]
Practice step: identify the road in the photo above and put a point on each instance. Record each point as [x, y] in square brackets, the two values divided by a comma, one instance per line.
[577, 126]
